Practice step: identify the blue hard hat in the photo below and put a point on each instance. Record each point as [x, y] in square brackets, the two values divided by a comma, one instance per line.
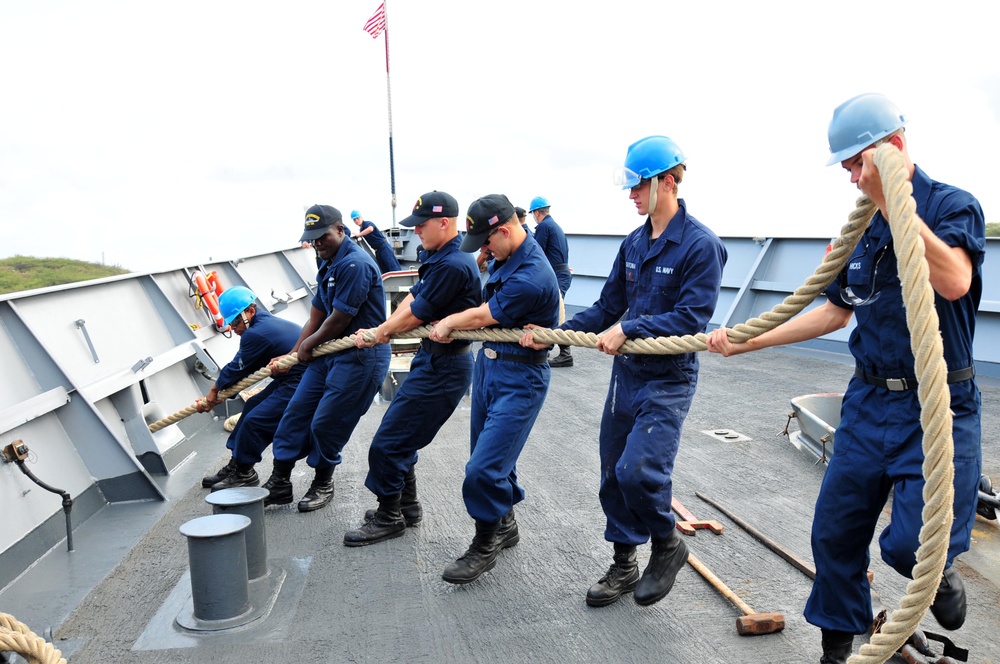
[355, 214]
[648, 157]
[235, 301]
[859, 122]
[537, 203]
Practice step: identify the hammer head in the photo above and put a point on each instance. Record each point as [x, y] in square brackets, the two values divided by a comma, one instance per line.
[688, 527]
[760, 623]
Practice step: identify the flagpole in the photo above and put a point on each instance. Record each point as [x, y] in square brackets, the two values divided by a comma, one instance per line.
[388, 91]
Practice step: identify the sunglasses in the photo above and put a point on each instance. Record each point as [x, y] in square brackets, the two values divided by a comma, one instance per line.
[864, 294]
[486, 240]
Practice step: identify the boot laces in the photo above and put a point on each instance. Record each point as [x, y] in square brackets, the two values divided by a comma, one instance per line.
[479, 547]
[618, 569]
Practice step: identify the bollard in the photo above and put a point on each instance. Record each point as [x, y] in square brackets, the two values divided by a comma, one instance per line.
[249, 502]
[217, 556]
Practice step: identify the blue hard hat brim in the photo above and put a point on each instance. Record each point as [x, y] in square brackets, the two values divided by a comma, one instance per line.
[229, 319]
[847, 153]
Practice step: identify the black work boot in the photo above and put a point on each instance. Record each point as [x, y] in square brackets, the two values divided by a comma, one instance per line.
[481, 556]
[619, 580]
[507, 535]
[949, 604]
[413, 513]
[279, 484]
[836, 647]
[244, 475]
[320, 492]
[210, 480]
[563, 359]
[666, 559]
[386, 523]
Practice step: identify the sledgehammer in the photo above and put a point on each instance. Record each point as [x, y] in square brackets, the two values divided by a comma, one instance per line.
[750, 623]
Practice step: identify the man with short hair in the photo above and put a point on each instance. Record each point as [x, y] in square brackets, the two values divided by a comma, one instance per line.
[664, 282]
[550, 237]
[487, 264]
[337, 388]
[262, 337]
[439, 373]
[384, 256]
[879, 438]
[509, 382]
[522, 217]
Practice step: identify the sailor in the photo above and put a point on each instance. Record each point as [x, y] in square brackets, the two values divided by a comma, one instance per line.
[337, 388]
[383, 252]
[522, 218]
[262, 337]
[509, 382]
[439, 374]
[552, 240]
[879, 437]
[664, 282]
[485, 260]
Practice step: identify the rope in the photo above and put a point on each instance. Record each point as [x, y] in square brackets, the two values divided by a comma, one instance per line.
[16, 637]
[925, 342]
[935, 411]
[827, 270]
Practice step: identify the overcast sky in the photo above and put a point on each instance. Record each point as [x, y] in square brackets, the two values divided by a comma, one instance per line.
[156, 135]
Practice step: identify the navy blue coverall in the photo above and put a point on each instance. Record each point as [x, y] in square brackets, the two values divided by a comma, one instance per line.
[439, 373]
[663, 287]
[337, 389]
[383, 252]
[879, 438]
[509, 382]
[552, 240]
[265, 338]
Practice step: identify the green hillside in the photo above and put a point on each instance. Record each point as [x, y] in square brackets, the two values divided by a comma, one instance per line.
[19, 273]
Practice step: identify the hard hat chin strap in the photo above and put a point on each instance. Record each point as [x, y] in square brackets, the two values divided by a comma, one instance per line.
[654, 184]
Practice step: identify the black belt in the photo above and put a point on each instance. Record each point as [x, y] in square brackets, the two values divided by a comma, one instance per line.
[521, 359]
[564, 266]
[903, 384]
[444, 349]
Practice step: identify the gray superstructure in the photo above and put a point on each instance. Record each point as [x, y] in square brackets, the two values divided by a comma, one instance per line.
[88, 366]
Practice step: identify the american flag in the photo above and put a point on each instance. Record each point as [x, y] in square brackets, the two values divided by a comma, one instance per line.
[376, 24]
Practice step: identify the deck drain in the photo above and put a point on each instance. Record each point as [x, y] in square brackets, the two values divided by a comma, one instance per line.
[727, 435]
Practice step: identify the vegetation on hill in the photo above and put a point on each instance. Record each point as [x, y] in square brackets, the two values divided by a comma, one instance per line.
[19, 273]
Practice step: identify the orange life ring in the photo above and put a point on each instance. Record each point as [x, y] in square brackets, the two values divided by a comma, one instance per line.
[214, 282]
[208, 295]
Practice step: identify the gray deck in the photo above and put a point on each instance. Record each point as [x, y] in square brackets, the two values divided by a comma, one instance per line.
[387, 602]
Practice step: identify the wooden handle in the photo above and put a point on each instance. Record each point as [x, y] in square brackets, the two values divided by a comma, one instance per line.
[682, 511]
[719, 585]
[751, 622]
